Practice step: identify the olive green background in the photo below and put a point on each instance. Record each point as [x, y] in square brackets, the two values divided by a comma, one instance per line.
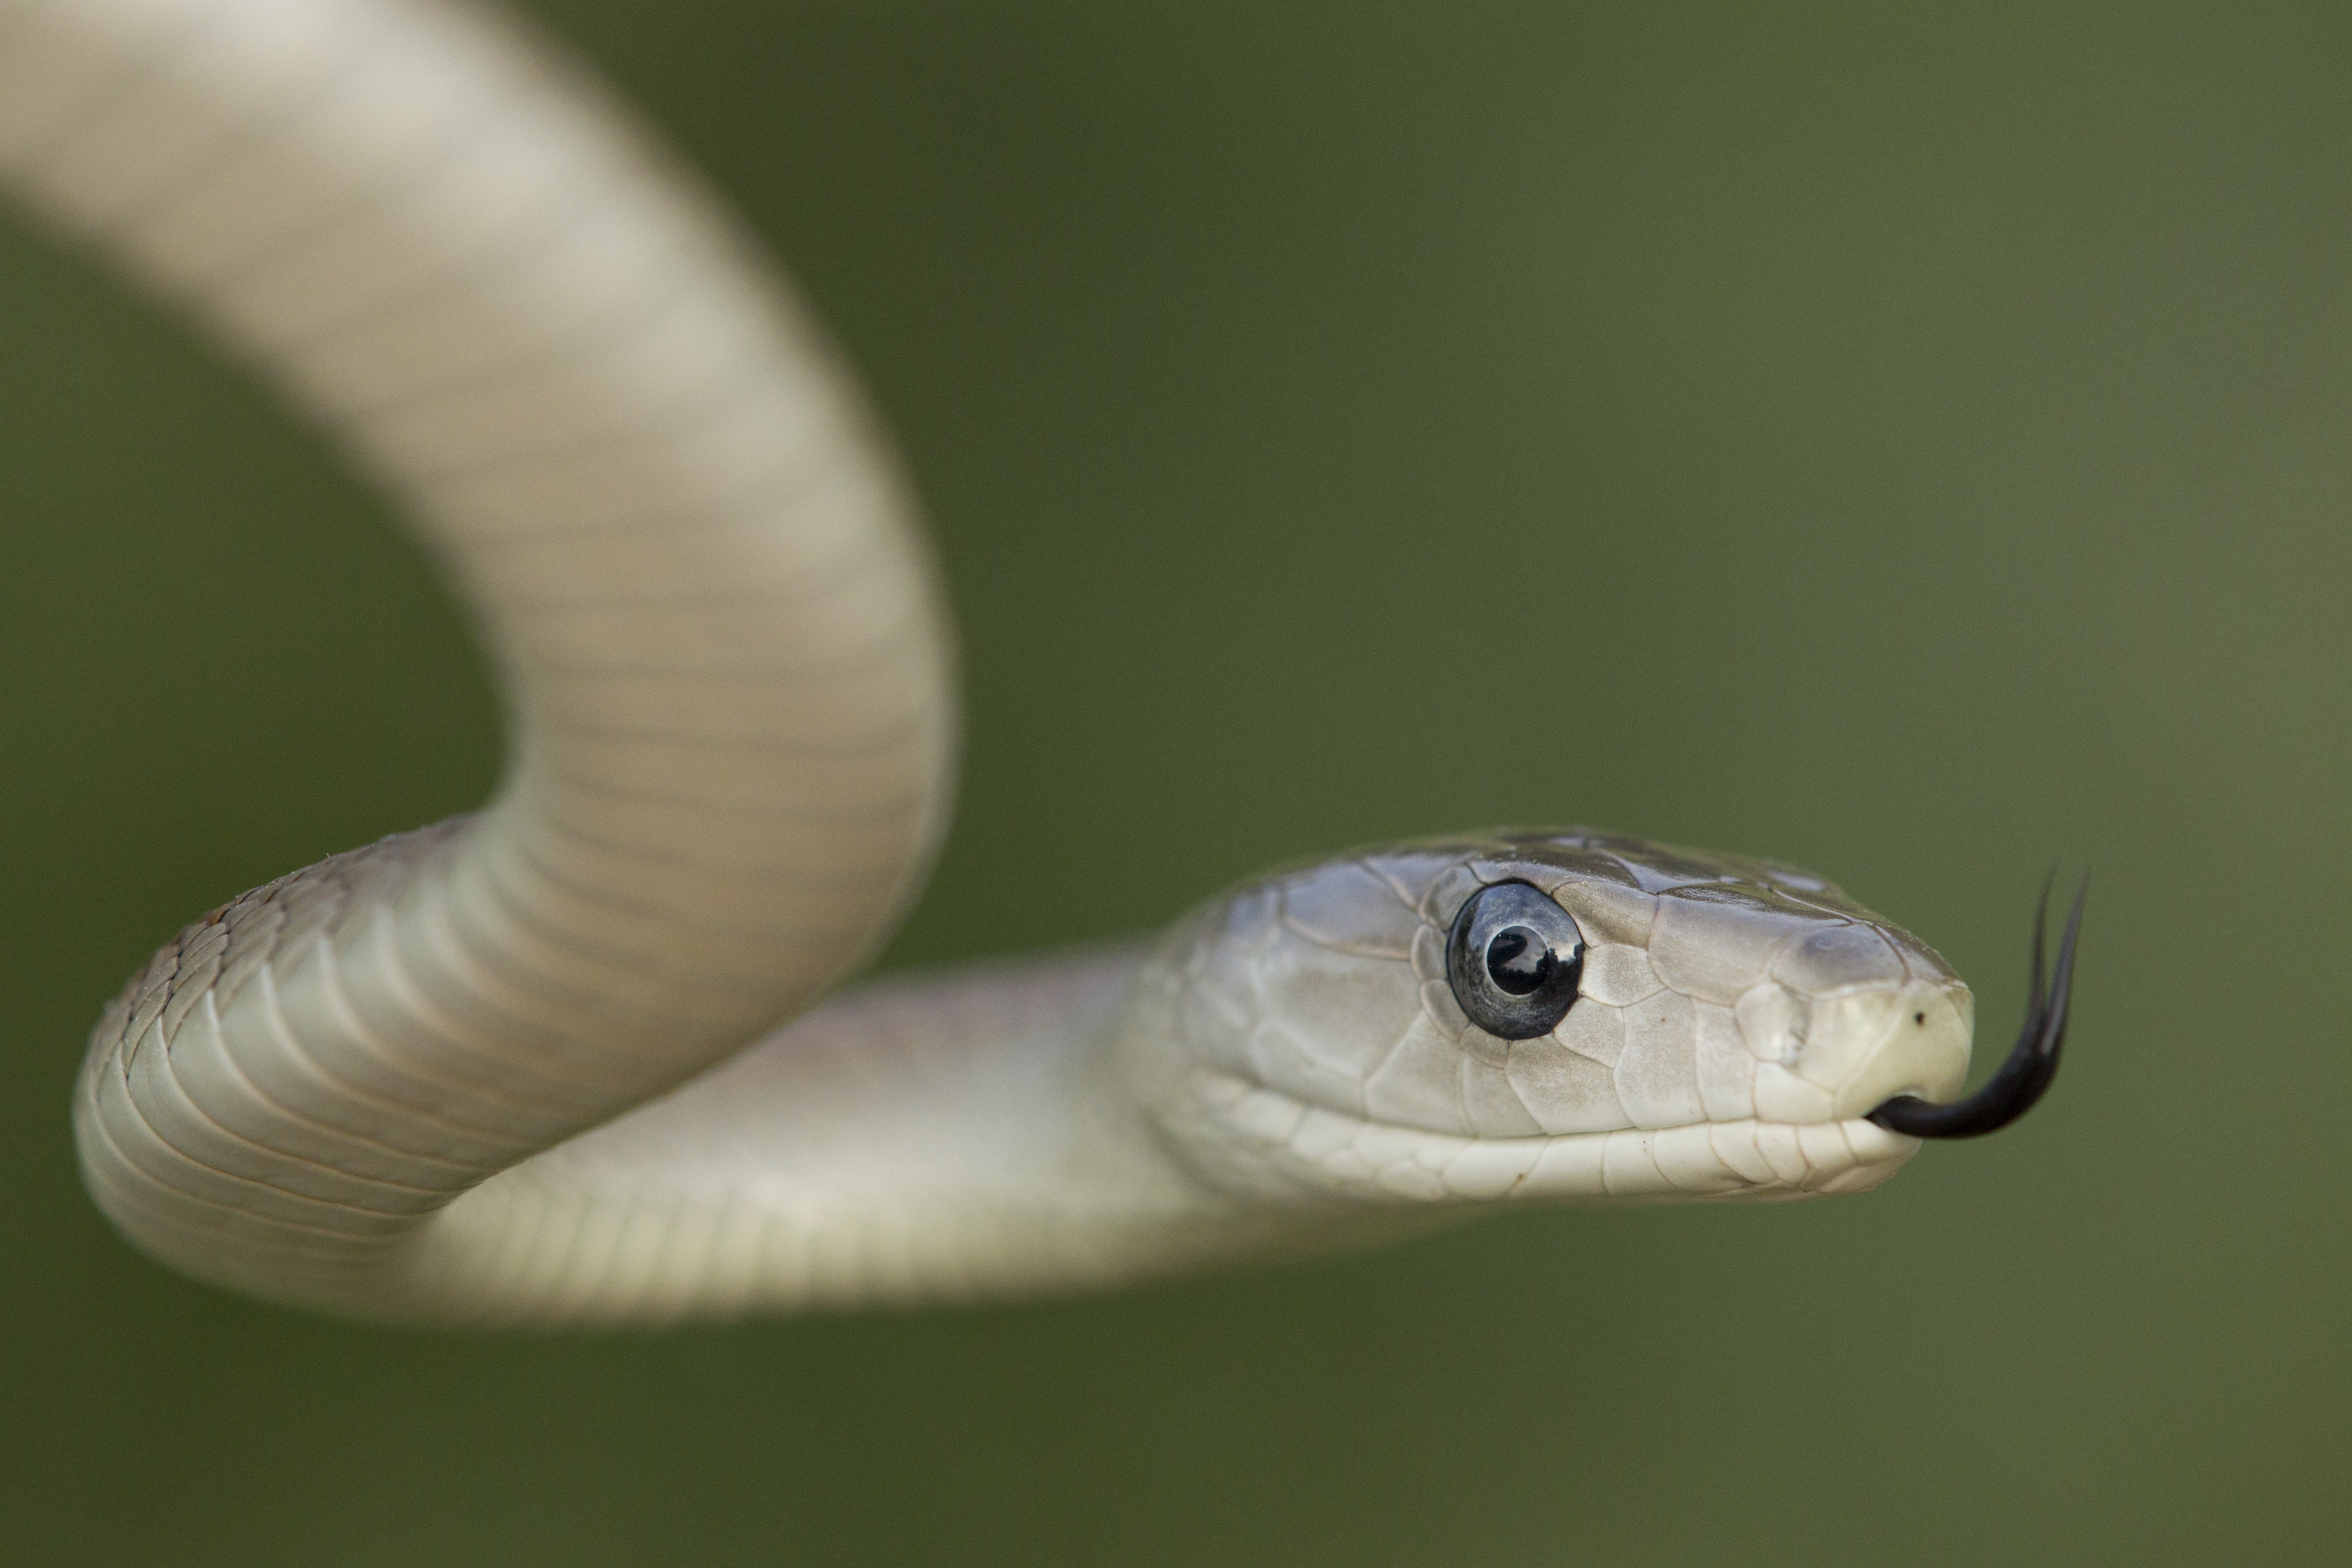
[1910, 442]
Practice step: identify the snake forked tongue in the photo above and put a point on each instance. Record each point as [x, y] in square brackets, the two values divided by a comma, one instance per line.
[2032, 1062]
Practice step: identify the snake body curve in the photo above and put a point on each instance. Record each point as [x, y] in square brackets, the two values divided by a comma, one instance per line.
[556, 1062]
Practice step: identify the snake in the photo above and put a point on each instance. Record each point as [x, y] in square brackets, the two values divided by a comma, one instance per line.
[585, 1056]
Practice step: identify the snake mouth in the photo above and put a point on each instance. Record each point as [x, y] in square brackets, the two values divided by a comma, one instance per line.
[2032, 1062]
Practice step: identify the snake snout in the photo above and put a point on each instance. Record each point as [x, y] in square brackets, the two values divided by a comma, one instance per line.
[2032, 1064]
[1864, 1046]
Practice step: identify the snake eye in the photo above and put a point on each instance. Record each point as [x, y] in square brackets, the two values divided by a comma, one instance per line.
[1514, 960]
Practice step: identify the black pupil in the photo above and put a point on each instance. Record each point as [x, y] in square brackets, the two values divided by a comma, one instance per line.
[1520, 960]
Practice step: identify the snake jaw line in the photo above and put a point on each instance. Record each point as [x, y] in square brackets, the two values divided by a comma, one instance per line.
[2032, 1064]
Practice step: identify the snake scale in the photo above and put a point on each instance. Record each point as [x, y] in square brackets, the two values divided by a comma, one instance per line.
[572, 1059]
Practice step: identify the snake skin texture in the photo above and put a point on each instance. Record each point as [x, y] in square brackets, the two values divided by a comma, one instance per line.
[562, 1061]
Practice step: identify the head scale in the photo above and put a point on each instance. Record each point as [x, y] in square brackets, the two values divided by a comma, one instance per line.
[1730, 1027]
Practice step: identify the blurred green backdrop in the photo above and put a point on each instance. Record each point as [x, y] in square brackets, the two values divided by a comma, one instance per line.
[1911, 441]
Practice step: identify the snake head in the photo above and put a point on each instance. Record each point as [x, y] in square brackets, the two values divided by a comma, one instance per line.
[1562, 1014]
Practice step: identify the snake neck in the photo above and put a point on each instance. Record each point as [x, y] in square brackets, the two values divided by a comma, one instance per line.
[958, 1136]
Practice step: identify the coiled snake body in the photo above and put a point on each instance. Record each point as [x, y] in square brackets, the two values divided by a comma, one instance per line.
[498, 1070]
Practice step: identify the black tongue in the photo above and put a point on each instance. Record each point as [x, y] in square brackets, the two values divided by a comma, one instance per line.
[2032, 1064]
